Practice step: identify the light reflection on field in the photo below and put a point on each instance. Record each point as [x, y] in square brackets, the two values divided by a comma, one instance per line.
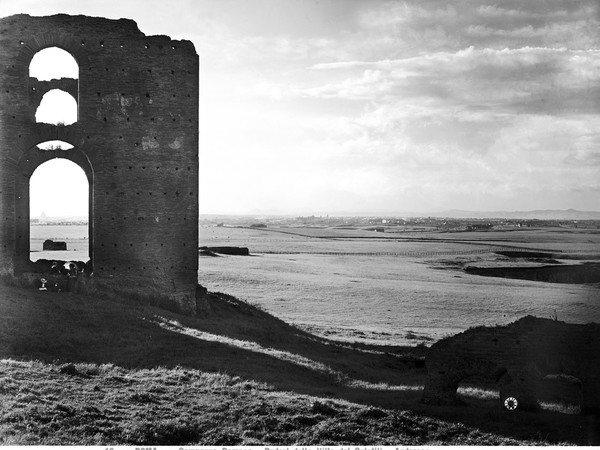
[391, 299]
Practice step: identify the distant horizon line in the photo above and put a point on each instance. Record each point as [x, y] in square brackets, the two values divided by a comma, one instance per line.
[439, 213]
[450, 213]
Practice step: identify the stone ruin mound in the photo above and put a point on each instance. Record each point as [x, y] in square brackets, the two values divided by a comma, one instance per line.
[520, 357]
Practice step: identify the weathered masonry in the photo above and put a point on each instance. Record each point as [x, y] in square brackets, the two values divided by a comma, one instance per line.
[135, 137]
[521, 357]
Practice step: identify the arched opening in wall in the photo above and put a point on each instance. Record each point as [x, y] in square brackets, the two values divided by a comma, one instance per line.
[479, 391]
[57, 108]
[59, 212]
[560, 393]
[53, 63]
[54, 145]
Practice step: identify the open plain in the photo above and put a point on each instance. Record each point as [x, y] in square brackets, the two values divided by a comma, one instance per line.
[400, 287]
[326, 343]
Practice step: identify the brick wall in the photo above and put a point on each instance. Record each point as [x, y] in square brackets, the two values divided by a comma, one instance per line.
[136, 138]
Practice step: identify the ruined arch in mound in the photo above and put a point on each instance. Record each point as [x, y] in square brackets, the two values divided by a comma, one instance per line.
[528, 351]
[31, 159]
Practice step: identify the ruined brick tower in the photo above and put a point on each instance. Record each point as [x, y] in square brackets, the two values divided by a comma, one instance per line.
[136, 138]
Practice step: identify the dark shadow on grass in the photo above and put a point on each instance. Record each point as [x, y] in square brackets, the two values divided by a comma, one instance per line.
[53, 327]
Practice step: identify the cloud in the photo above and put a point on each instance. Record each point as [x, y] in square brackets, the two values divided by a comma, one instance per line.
[419, 105]
[544, 80]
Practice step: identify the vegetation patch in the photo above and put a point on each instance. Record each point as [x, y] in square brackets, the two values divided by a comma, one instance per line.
[82, 370]
[54, 408]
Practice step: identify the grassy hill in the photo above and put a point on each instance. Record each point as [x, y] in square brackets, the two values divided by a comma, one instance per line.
[83, 369]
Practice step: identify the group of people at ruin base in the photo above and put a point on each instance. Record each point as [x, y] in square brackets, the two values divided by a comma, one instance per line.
[60, 278]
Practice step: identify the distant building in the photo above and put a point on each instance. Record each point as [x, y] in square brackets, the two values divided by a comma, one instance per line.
[479, 226]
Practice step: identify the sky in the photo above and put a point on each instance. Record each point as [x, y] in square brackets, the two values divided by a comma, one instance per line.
[372, 106]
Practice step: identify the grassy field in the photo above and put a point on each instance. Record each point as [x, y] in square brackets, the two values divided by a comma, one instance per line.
[322, 348]
[359, 285]
[76, 237]
[79, 369]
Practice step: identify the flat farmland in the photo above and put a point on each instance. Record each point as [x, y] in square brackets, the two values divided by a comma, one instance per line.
[395, 288]
[76, 237]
